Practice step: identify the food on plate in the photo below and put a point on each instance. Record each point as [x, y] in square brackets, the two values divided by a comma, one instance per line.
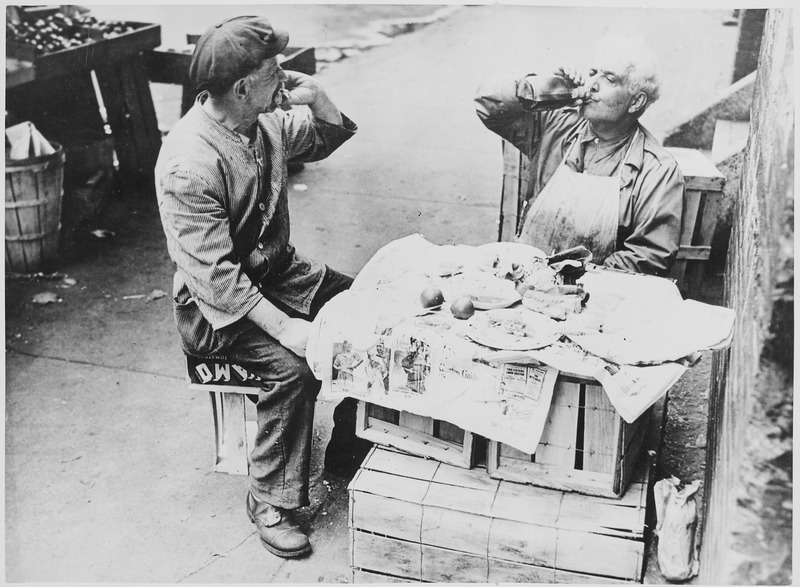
[484, 289]
[462, 308]
[512, 329]
[431, 297]
[555, 306]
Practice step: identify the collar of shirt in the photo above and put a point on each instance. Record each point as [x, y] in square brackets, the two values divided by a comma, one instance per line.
[635, 156]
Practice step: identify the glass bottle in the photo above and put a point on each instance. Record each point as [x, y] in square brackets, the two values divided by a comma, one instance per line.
[537, 93]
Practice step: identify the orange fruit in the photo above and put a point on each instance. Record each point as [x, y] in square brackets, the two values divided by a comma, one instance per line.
[462, 308]
[431, 297]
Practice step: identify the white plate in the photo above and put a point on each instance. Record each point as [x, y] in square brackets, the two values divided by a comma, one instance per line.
[484, 288]
[493, 302]
[512, 330]
[497, 257]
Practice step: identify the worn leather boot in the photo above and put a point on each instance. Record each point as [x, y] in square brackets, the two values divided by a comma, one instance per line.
[277, 529]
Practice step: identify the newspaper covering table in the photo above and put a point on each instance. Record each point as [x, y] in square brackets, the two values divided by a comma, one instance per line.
[376, 342]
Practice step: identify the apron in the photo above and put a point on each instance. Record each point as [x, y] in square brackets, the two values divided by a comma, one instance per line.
[575, 209]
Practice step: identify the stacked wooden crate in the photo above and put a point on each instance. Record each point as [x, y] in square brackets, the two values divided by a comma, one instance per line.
[418, 520]
[572, 512]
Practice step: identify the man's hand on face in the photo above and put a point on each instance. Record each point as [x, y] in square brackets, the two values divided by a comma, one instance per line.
[300, 89]
[294, 335]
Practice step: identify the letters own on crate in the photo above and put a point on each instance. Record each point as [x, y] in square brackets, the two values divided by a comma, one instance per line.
[227, 385]
[419, 520]
[415, 434]
[585, 447]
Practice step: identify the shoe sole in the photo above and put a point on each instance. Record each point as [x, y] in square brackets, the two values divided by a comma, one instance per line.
[275, 551]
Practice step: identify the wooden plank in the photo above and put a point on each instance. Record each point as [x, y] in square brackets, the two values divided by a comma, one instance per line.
[558, 442]
[703, 239]
[509, 452]
[694, 253]
[595, 554]
[402, 488]
[501, 571]
[527, 504]
[448, 566]
[471, 478]
[698, 171]
[232, 435]
[360, 576]
[475, 501]
[418, 443]
[393, 557]
[455, 530]
[521, 542]
[600, 431]
[608, 517]
[414, 422]
[570, 578]
[449, 432]
[383, 515]
[556, 478]
[382, 413]
[390, 461]
[691, 205]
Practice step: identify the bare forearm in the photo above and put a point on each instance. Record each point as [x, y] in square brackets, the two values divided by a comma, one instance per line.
[289, 332]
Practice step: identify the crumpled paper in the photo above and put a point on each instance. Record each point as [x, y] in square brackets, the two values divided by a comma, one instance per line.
[26, 141]
[676, 513]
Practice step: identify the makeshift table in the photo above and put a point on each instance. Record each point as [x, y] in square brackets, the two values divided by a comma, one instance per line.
[562, 410]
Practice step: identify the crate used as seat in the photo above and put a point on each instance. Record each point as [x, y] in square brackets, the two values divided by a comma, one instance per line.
[227, 385]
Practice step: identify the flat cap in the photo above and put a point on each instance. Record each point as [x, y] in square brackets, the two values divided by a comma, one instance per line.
[231, 49]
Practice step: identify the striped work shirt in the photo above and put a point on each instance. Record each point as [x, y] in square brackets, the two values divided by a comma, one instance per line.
[224, 209]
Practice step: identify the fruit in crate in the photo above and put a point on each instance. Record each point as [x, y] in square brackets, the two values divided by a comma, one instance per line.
[57, 32]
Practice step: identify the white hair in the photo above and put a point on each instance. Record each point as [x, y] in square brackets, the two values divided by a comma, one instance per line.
[638, 64]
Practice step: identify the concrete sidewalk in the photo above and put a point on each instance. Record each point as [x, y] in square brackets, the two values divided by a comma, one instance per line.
[108, 456]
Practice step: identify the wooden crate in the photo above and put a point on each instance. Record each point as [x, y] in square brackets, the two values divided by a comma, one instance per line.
[415, 434]
[90, 55]
[419, 520]
[585, 447]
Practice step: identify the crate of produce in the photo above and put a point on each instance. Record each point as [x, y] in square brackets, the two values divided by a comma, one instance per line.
[585, 447]
[415, 519]
[415, 434]
[57, 45]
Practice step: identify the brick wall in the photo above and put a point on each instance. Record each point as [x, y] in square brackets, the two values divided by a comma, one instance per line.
[747, 533]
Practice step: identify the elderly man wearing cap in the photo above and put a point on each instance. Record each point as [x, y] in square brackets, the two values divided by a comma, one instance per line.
[241, 289]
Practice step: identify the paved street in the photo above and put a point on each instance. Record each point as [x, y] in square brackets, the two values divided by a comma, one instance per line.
[108, 455]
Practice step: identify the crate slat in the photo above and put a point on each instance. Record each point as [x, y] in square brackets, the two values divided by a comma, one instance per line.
[456, 530]
[416, 434]
[395, 557]
[558, 442]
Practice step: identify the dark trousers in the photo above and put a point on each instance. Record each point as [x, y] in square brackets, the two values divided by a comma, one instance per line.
[280, 460]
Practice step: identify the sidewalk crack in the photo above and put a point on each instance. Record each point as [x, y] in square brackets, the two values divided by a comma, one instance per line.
[214, 557]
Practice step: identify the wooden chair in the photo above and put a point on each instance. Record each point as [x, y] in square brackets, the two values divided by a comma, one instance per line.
[227, 385]
[704, 185]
